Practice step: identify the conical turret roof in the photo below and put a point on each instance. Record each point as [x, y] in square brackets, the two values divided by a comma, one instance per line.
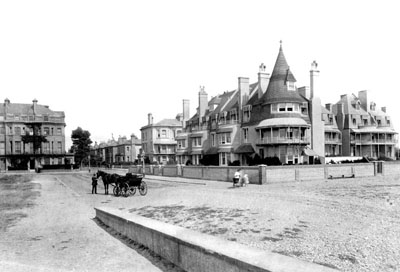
[277, 90]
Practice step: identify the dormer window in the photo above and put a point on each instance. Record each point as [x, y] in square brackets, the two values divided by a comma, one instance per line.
[234, 115]
[246, 113]
[291, 86]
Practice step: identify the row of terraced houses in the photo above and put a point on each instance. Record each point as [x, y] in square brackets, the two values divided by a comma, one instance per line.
[268, 119]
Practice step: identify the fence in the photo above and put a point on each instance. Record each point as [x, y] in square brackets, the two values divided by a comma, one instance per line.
[271, 174]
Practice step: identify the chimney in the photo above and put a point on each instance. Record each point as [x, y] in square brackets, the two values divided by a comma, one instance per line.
[363, 97]
[263, 80]
[243, 87]
[383, 109]
[186, 112]
[150, 119]
[34, 101]
[328, 106]
[203, 103]
[314, 74]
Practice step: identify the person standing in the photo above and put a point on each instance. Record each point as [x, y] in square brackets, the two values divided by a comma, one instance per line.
[236, 178]
[94, 184]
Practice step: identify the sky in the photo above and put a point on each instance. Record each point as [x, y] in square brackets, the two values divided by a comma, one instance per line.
[107, 64]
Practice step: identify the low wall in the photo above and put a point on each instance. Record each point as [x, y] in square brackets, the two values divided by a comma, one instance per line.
[194, 251]
[263, 174]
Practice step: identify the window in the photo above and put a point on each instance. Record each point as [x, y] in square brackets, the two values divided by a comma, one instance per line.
[59, 147]
[246, 113]
[233, 115]
[289, 107]
[59, 131]
[17, 147]
[354, 121]
[46, 131]
[2, 148]
[225, 138]
[222, 118]
[224, 158]
[245, 134]
[181, 143]
[196, 142]
[163, 133]
[17, 130]
[46, 118]
[282, 107]
[212, 139]
[274, 107]
[291, 86]
[2, 130]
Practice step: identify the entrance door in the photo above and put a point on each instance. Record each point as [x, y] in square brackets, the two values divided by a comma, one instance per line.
[32, 164]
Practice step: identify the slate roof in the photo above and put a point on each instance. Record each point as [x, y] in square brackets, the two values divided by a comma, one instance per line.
[27, 109]
[168, 123]
[277, 87]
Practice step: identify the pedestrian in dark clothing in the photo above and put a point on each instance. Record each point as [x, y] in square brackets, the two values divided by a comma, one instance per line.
[94, 184]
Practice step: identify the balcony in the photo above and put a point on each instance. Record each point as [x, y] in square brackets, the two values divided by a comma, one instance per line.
[374, 141]
[282, 140]
[333, 141]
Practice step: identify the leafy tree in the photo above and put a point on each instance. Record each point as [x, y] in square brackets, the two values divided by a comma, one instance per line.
[80, 144]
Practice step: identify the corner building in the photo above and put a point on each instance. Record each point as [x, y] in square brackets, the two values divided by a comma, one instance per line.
[273, 118]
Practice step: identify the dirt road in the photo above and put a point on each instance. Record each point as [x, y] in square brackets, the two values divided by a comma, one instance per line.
[350, 224]
[59, 234]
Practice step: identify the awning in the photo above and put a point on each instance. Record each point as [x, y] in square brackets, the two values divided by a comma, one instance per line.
[309, 152]
[282, 122]
[196, 152]
[244, 148]
[211, 151]
[225, 149]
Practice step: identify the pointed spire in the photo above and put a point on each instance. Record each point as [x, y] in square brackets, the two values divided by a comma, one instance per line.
[277, 89]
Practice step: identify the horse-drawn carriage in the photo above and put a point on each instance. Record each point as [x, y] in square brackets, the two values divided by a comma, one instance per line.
[123, 185]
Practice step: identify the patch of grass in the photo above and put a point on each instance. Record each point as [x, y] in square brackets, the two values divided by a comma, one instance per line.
[16, 193]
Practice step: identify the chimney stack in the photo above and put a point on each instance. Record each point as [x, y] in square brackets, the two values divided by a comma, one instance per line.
[150, 119]
[203, 103]
[328, 106]
[363, 97]
[244, 89]
[34, 101]
[314, 74]
[186, 112]
[263, 80]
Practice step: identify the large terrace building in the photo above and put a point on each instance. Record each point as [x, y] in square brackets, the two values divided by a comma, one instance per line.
[31, 135]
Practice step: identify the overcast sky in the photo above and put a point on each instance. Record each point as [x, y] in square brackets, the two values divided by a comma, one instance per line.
[107, 64]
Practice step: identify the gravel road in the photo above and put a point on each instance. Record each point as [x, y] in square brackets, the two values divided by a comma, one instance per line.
[349, 224]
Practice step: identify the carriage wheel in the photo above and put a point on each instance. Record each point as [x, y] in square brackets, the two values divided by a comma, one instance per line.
[116, 190]
[125, 190]
[143, 188]
[132, 190]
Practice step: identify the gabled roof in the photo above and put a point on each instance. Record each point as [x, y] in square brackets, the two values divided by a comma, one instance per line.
[347, 101]
[277, 87]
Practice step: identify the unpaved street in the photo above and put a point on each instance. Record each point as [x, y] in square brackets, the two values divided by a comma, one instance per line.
[60, 234]
[349, 224]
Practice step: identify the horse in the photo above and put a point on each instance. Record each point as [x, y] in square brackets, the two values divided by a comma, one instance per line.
[107, 179]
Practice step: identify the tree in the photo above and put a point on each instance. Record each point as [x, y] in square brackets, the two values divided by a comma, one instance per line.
[80, 144]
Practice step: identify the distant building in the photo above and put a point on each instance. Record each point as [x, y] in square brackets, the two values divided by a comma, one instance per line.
[159, 139]
[366, 130]
[122, 151]
[31, 135]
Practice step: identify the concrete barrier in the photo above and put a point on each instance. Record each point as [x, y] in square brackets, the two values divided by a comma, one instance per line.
[194, 251]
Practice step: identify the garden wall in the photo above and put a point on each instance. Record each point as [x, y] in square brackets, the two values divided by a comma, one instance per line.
[272, 174]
